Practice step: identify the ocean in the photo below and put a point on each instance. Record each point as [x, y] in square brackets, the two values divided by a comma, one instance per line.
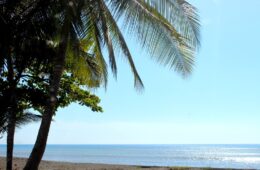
[215, 156]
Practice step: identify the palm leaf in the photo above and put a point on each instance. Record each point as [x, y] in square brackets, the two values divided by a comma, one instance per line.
[26, 118]
[168, 41]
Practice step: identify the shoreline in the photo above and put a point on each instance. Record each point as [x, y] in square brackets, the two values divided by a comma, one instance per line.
[56, 165]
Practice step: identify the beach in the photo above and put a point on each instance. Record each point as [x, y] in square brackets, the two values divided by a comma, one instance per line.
[52, 165]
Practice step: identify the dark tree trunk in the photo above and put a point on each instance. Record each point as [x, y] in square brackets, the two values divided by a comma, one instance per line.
[11, 115]
[41, 141]
[10, 143]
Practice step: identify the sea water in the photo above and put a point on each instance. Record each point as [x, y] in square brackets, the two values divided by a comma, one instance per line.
[216, 156]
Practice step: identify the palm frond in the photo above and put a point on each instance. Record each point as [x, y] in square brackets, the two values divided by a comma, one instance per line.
[98, 51]
[120, 43]
[172, 43]
[26, 118]
[182, 15]
[22, 118]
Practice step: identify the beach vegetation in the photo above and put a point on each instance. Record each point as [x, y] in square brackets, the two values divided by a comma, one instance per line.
[79, 31]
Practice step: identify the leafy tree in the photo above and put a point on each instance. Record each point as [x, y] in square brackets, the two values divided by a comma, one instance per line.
[31, 94]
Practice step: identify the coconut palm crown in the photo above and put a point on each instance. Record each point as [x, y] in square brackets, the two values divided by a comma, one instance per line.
[167, 29]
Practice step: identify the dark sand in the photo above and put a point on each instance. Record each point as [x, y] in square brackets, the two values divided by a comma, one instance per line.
[49, 165]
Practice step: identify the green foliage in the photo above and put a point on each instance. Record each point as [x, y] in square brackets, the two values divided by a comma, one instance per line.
[83, 64]
[72, 91]
[32, 93]
[30, 29]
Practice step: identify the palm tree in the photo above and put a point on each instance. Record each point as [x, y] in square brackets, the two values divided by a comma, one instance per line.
[168, 29]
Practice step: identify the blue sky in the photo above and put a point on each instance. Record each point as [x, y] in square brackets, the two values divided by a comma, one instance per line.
[219, 103]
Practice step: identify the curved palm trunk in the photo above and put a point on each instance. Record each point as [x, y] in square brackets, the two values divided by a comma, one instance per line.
[40, 144]
[41, 141]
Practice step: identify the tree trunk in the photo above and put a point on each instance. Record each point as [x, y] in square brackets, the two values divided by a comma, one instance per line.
[10, 142]
[40, 144]
[41, 141]
[11, 115]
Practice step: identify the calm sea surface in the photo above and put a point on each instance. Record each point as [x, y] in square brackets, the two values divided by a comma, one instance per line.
[218, 156]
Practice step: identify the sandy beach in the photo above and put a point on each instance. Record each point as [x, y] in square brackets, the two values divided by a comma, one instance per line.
[49, 165]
